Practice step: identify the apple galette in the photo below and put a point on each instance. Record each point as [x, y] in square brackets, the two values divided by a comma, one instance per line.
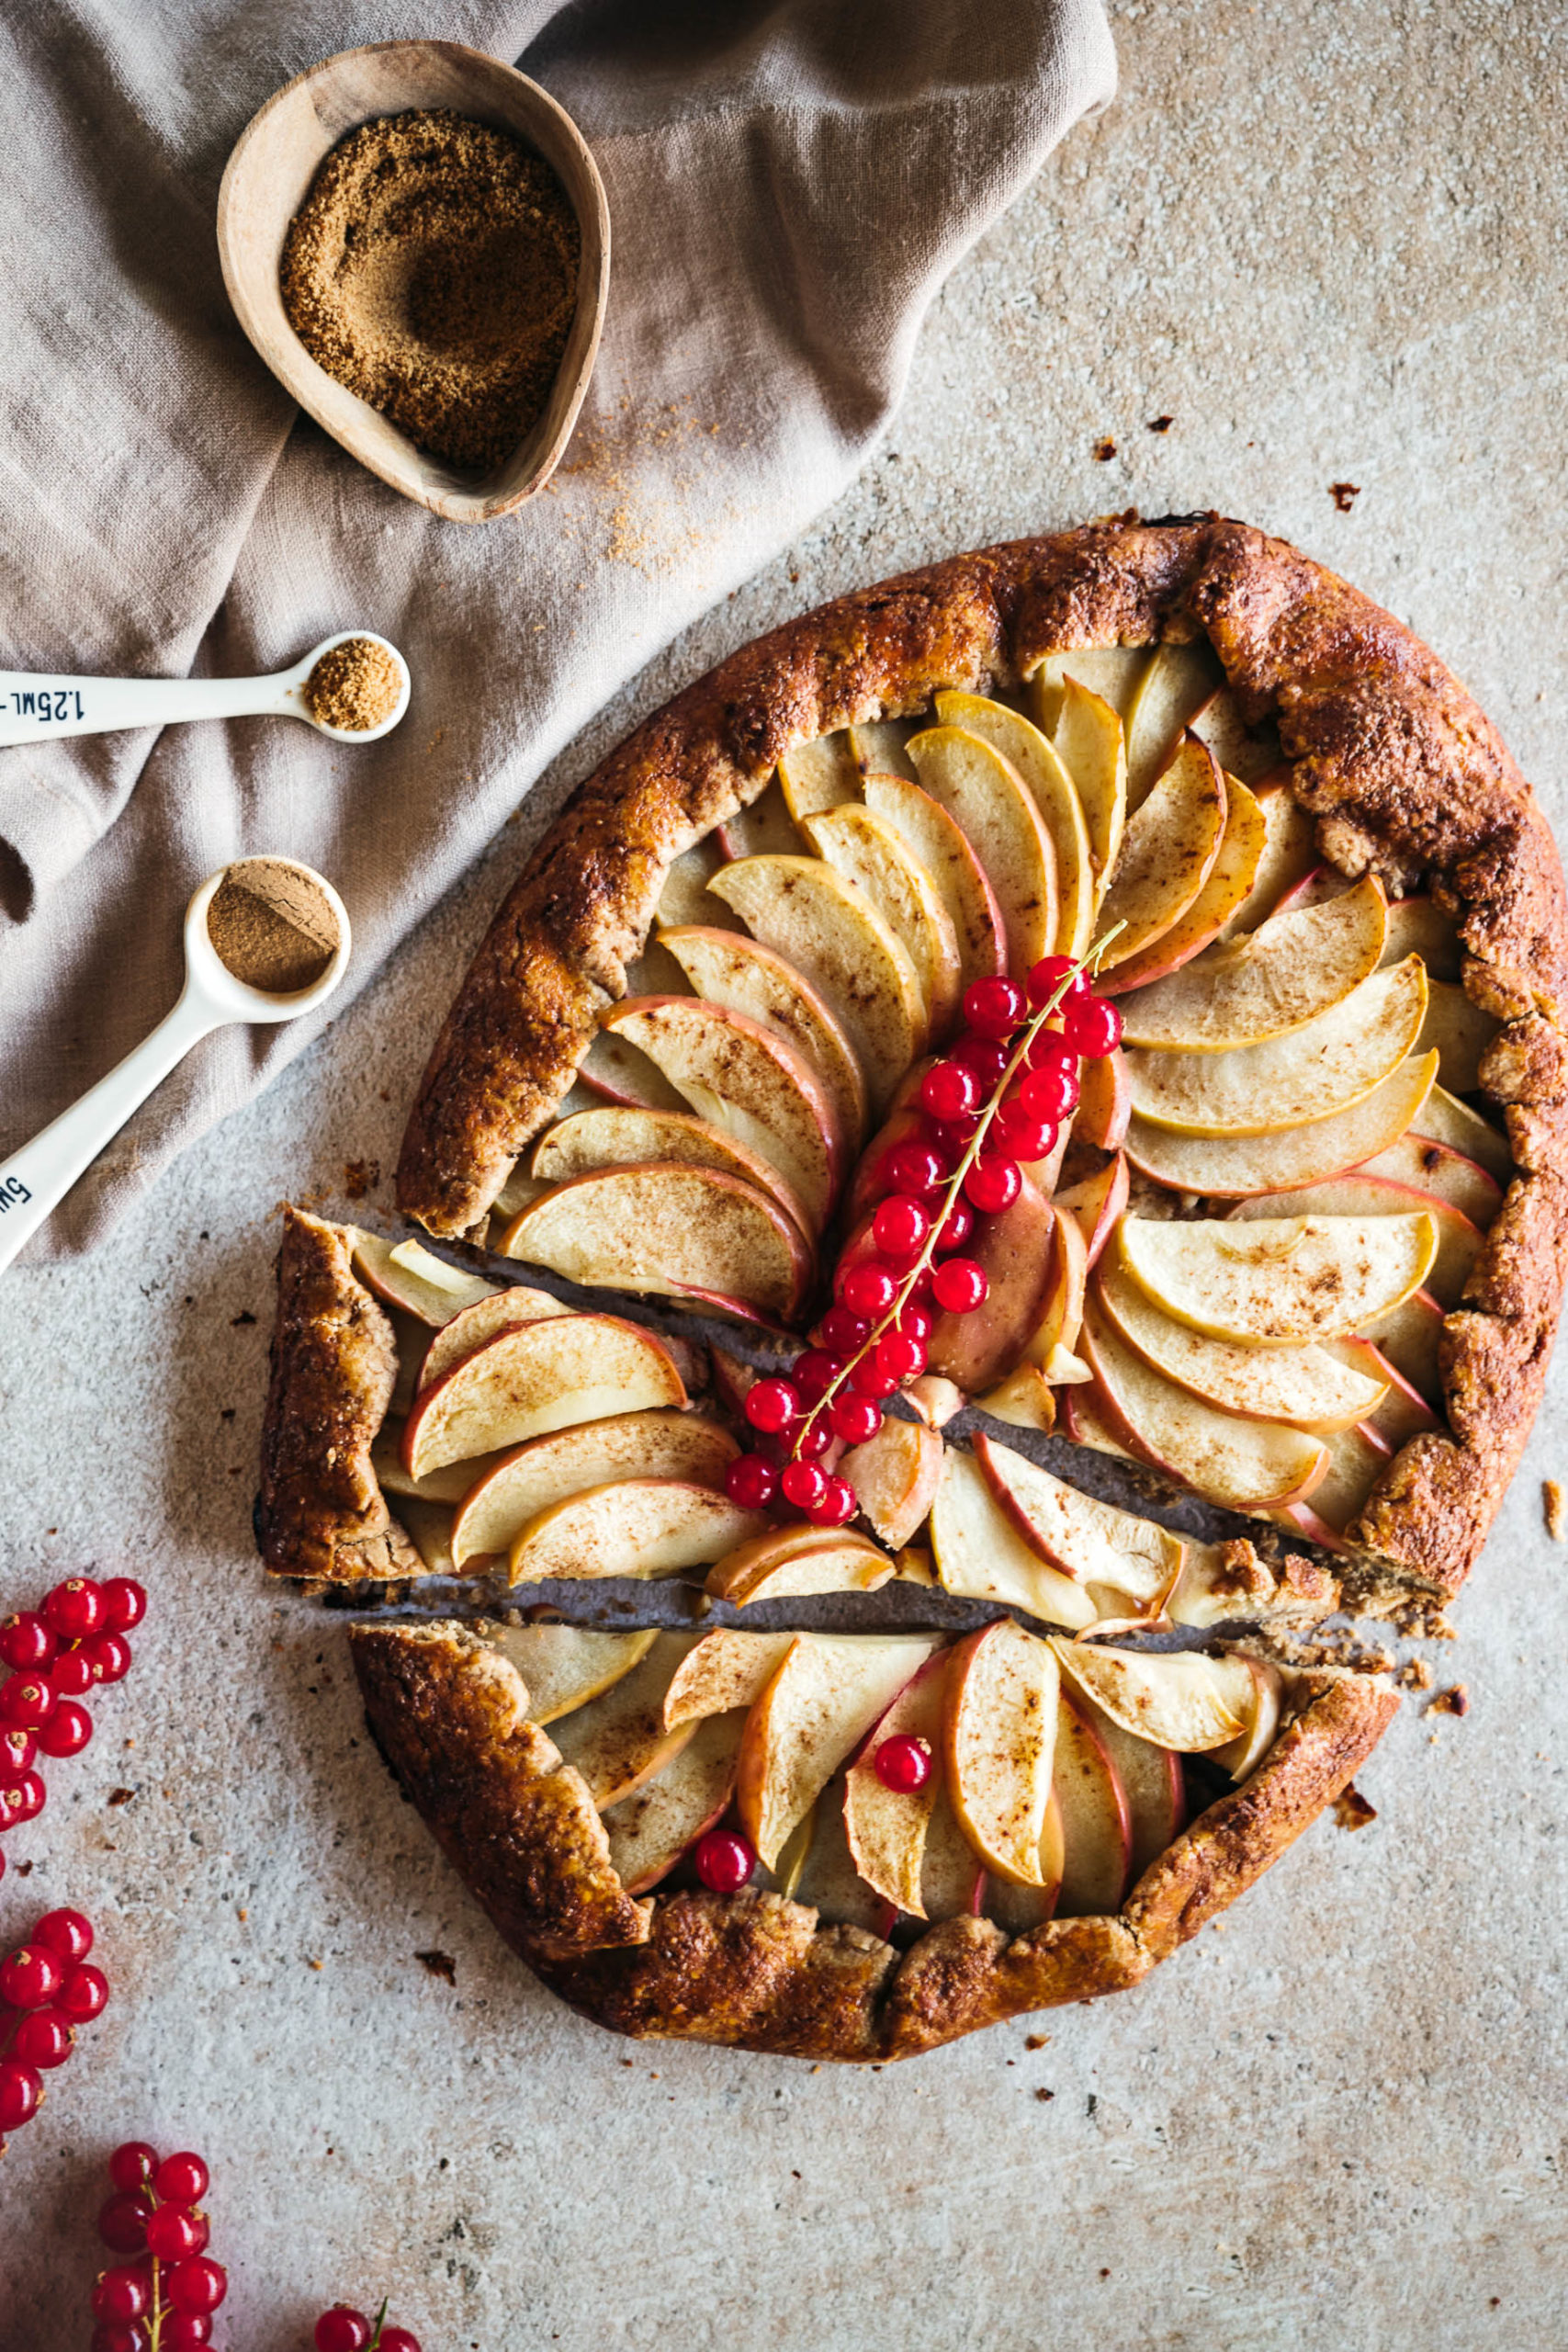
[1032, 1093]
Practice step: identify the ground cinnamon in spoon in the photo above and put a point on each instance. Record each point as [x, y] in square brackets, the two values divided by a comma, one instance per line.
[272, 926]
[353, 685]
[433, 270]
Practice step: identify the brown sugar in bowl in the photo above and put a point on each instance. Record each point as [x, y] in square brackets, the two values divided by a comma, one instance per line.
[267, 178]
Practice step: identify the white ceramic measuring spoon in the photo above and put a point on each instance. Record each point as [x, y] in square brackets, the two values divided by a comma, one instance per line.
[34, 1180]
[36, 709]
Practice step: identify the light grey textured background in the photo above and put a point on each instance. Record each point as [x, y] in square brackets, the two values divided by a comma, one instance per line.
[1330, 244]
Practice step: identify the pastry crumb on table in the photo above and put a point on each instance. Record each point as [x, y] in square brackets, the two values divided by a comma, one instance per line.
[1555, 1505]
[1351, 1810]
[1454, 1701]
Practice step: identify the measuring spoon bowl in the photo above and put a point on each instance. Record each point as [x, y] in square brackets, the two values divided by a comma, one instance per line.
[37, 708]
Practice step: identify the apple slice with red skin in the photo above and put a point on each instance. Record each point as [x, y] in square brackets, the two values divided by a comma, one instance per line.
[894, 1475]
[617, 1135]
[1013, 1248]
[727, 968]
[434, 1298]
[652, 1828]
[1167, 853]
[1085, 1417]
[1025, 1401]
[878, 746]
[613, 1069]
[868, 851]
[1316, 888]
[985, 795]
[1244, 1754]
[474, 1327]
[1235, 1166]
[534, 1377]
[819, 1873]
[1362, 1196]
[1326, 1386]
[1089, 1541]
[1110, 673]
[1436, 1168]
[448, 1485]
[527, 1479]
[727, 1669]
[1097, 1821]
[1182, 1699]
[980, 1555]
[1403, 1412]
[619, 1741]
[998, 1737]
[1151, 1780]
[1097, 1207]
[1105, 1102]
[630, 1527]
[1020, 1910]
[817, 1707]
[763, 1569]
[684, 1232]
[1288, 972]
[1289, 851]
[886, 1827]
[1444, 1118]
[1225, 887]
[1408, 1337]
[1357, 1460]
[942, 848]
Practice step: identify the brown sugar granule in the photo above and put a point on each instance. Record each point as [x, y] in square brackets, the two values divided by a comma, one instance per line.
[1351, 1810]
[1555, 1504]
[433, 270]
[1452, 1701]
[271, 926]
[355, 685]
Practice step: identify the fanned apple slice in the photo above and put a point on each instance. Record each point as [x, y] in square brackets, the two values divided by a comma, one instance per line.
[617, 1135]
[1090, 1541]
[727, 1669]
[943, 848]
[681, 1232]
[1290, 853]
[1105, 1102]
[448, 1485]
[1233, 1167]
[1168, 851]
[865, 849]
[1086, 1416]
[534, 1377]
[474, 1327]
[1181, 1699]
[1408, 1337]
[1356, 1459]
[1317, 887]
[953, 1877]
[564, 1667]
[1013, 1247]
[833, 935]
[886, 1827]
[1303, 1386]
[631, 1527]
[765, 826]
[1226, 884]
[730, 970]
[817, 1706]
[1281, 1280]
[819, 774]
[621, 1740]
[1447, 1120]
[1090, 742]
[1415, 1161]
[1022, 1910]
[1097, 1821]
[1242, 1755]
[407, 1275]
[878, 746]
[1152, 1779]
[1179, 682]
[764, 1569]
[1242, 1466]
[1461, 1032]
[981, 1556]
[1247, 752]
[650, 1830]
[1109, 672]
[1404, 1412]
[1313, 1073]
[518, 1485]
[825, 1878]
[1360, 1196]
[1037, 761]
[613, 1069]
[1024, 1399]
[1096, 1205]
[998, 1740]
[1287, 973]
[683, 896]
[894, 1475]
[746, 1082]
[1418, 926]
[1055, 1333]
[985, 795]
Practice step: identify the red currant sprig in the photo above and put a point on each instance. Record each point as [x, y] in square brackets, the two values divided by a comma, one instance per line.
[162, 2300]
[47, 1990]
[342, 2329]
[57, 1653]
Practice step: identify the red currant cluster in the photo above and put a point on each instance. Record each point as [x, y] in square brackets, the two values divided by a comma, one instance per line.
[342, 2329]
[996, 1100]
[57, 1653]
[47, 1990]
[162, 2300]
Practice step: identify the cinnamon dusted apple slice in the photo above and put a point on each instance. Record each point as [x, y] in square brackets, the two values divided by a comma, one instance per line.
[496, 1504]
[1418, 926]
[614, 1069]
[1402, 1412]
[620, 1136]
[730, 970]
[1313, 1073]
[1168, 848]
[878, 746]
[1243, 1755]
[1362, 1196]
[1097, 1821]
[448, 1485]
[942, 848]
[407, 1275]
[1087, 1420]
[985, 795]
[725, 1669]
[1022, 1910]
[1090, 742]
[1461, 1032]
[1289, 971]
[819, 774]
[619, 1741]
[1279, 1281]
[1418, 1163]
[953, 1877]
[1356, 1459]
[747, 1083]
[866, 850]
[474, 1327]
[1290, 853]
[1090, 1541]
[998, 1740]
[1151, 1780]
[833, 935]
[1446, 1119]
[650, 1830]
[1055, 1334]
[819, 1875]
[1233, 1167]
[1305, 1384]
[894, 1475]
[1105, 1102]
[1242, 1466]
[534, 1377]
[1013, 1247]
[564, 1667]
[1036, 759]
[886, 1827]
[1179, 1698]
[980, 1555]
[1408, 1336]
[1109, 672]
[630, 1527]
[1178, 682]
[1096, 1205]
[1250, 753]
[681, 1232]
[1317, 887]
[1226, 887]
[683, 897]
[817, 1707]
[768, 1569]
[766, 826]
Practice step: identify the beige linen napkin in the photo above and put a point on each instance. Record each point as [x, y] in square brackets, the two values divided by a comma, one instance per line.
[788, 185]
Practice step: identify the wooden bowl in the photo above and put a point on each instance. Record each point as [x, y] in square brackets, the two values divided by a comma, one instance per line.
[266, 179]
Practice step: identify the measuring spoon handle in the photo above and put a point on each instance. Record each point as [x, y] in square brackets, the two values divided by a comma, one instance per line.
[36, 709]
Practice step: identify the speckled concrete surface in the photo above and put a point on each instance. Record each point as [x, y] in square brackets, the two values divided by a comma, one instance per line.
[1330, 244]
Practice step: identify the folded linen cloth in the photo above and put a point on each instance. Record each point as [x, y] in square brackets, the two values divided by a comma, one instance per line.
[788, 185]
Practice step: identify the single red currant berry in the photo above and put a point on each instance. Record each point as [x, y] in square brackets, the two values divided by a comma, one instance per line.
[397, 2339]
[30, 1976]
[844, 1333]
[198, 2285]
[342, 2329]
[182, 2180]
[83, 1996]
[67, 1934]
[1024, 1138]
[27, 1700]
[915, 1322]
[26, 1641]
[71, 1674]
[132, 2337]
[867, 1286]
[914, 1168]
[815, 1373]
[900, 1356]
[900, 1226]
[22, 2087]
[960, 1285]
[868, 1378]
[183, 2331]
[122, 2221]
[132, 2163]
[994, 1183]
[1093, 1026]
[903, 1763]
[838, 1504]
[174, 2235]
[856, 1420]
[122, 2293]
[1046, 977]
[993, 1007]
[802, 1482]
[68, 1730]
[955, 1228]
[110, 1655]
[42, 2038]
[22, 1801]
[814, 1437]
[125, 1603]
[987, 1056]
[1049, 1092]
[950, 1091]
[74, 1608]
[771, 1405]
[1049, 1048]
[749, 1481]
[17, 1750]
[724, 1861]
